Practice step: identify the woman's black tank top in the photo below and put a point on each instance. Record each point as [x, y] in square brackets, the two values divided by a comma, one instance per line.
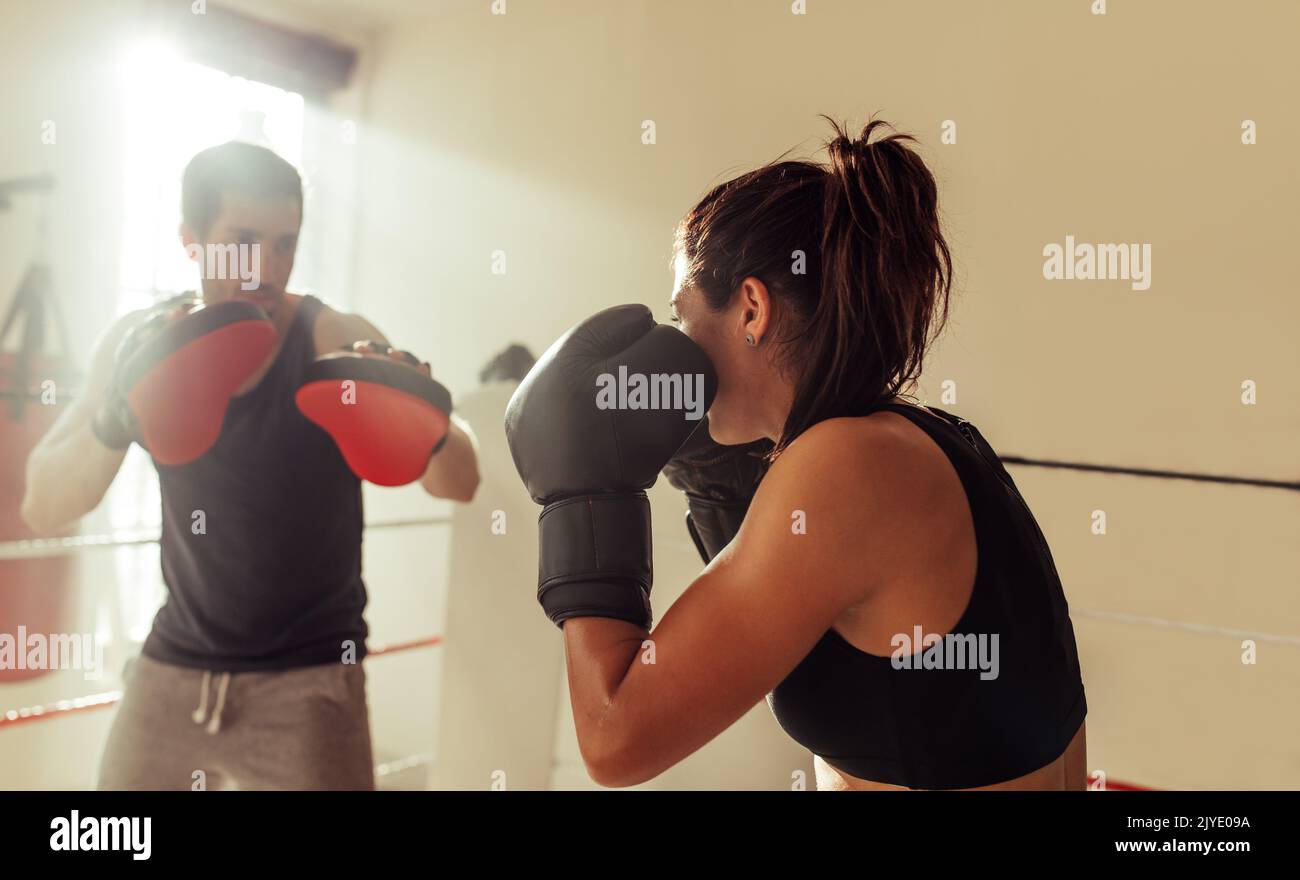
[954, 724]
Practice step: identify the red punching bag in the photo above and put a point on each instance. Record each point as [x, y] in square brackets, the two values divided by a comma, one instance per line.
[35, 594]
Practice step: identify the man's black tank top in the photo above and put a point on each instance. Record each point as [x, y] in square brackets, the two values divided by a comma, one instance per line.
[273, 579]
[940, 728]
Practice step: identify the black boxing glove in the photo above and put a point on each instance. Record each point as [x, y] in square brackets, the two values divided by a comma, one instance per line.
[719, 482]
[114, 424]
[177, 371]
[589, 428]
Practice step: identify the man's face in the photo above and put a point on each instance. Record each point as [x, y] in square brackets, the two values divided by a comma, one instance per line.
[251, 242]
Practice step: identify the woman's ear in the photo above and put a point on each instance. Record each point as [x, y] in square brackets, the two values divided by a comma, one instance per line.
[755, 310]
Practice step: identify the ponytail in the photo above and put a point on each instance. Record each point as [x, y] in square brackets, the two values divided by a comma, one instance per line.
[854, 326]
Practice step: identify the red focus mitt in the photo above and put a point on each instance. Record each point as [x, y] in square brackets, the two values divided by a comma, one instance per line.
[179, 379]
[387, 417]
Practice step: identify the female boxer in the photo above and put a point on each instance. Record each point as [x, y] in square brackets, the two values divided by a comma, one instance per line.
[888, 591]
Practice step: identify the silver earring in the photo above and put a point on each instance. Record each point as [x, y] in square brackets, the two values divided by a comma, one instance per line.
[749, 339]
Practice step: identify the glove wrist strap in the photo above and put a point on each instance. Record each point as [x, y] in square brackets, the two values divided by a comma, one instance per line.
[594, 558]
[110, 430]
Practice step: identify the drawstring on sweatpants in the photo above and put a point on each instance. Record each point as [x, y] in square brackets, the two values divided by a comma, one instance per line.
[201, 713]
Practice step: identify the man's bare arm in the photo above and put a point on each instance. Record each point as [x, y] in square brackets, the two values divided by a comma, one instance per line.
[69, 470]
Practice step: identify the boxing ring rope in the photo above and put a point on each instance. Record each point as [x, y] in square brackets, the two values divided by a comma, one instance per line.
[1192, 476]
[59, 709]
[39, 548]
[79, 705]
[410, 762]
[1203, 629]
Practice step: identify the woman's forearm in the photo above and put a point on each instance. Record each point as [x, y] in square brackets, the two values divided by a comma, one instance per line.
[599, 653]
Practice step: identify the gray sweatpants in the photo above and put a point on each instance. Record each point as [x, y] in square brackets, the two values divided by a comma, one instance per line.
[186, 729]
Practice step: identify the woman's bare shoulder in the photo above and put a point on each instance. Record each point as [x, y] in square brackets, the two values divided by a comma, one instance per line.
[876, 445]
[871, 475]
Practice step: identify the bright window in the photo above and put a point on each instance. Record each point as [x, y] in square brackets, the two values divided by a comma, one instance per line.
[173, 109]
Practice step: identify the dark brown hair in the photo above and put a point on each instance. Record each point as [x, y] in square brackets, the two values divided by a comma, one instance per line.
[233, 167]
[509, 365]
[853, 327]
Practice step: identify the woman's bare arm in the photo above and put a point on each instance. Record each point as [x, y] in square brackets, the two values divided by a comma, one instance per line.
[644, 701]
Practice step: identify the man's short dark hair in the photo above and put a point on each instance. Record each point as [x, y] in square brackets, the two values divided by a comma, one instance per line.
[510, 365]
[234, 166]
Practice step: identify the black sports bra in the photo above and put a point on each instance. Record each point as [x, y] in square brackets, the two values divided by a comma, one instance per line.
[997, 698]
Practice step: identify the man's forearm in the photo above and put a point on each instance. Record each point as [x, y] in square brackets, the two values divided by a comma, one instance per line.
[453, 471]
[67, 479]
